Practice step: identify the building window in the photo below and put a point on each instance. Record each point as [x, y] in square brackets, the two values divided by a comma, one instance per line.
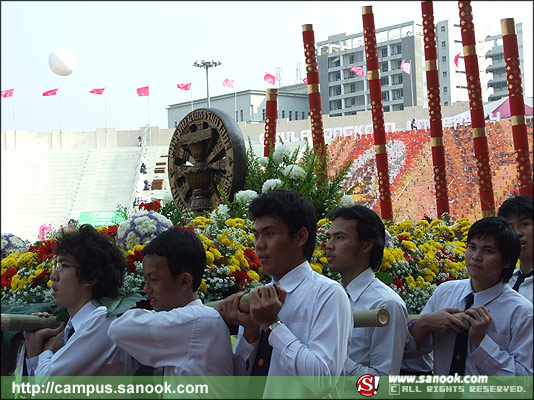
[444, 58]
[303, 115]
[386, 108]
[290, 115]
[384, 67]
[442, 28]
[384, 51]
[445, 90]
[397, 94]
[296, 115]
[443, 43]
[175, 124]
[384, 81]
[352, 88]
[236, 116]
[241, 112]
[263, 113]
[385, 96]
[351, 59]
[283, 113]
[446, 103]
[444, 74]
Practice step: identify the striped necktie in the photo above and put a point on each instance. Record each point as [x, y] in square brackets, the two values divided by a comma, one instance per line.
[460, 345]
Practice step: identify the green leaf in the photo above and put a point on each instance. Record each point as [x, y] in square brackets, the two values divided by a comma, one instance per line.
[384, 277]
[121, 304]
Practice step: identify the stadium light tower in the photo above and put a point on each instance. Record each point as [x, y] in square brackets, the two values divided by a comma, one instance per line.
[207, 65]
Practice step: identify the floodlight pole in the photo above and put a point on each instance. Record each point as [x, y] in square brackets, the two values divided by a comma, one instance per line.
[207, 65]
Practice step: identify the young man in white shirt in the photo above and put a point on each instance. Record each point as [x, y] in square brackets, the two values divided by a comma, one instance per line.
[308, 325]
[518, 211]
[180, 334]
[355, 248]
[88, 268]
[496, 329]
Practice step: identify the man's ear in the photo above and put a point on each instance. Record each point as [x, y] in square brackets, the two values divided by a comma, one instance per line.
[368, 245]
[185, 280]
[302, 236]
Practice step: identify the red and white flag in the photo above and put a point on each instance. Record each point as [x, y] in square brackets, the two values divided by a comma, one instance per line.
[142, 91]
[406, 67]
[305, 80]
[456, 58]
[357, 70]
[184, 86]
[50, 92]
[8, 93]
[269, 78]
[228, 83]
[97, 91]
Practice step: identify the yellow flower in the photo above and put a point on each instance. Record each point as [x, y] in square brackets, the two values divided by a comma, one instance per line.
[253, 275]
[410, 281]
[202, 287]
[323, 260]
[323, 221]
[230, 222]
[436, 222]
[409, 245]
[209, 258]
[317, 267]
[422, 222]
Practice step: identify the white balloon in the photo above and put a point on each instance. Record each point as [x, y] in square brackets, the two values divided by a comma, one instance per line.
[62, 61]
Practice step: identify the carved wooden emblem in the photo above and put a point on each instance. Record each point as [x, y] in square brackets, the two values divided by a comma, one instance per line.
[207, 151]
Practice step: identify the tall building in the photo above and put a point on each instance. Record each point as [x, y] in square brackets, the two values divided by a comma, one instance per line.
[343, 92]
[497, 65]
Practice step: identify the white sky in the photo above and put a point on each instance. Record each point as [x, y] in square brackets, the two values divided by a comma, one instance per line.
[125, 45]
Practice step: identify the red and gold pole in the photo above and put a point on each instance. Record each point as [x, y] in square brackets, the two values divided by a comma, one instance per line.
[379, 131]
[314, 94]
[270, 121]
[434, 107]
[517, 105]
[476, 106]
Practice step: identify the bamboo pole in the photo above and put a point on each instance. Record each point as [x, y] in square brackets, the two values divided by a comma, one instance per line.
[19, 322]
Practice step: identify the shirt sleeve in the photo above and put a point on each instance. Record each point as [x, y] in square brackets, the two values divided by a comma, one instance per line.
[329, 338]
[516, 360]
[411, 350]
[386, 347]
[84, 354]
[244, 354]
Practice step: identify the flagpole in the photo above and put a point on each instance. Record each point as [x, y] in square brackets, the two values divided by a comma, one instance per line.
[191, 99]
[148, 102]
[411, 87]
[106, 109]
[59, 107]
[14, 114]
[235, 102]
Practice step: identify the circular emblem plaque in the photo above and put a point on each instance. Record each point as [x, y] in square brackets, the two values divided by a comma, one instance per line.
[207, 151]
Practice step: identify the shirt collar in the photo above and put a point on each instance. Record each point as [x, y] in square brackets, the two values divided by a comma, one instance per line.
[196, 302]
[293, 278]
[357, 286]
[485, 296]
[83, 313]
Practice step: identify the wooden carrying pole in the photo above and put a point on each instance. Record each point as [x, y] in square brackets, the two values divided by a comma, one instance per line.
[434, 108]
[379, 131]
[476, 106]
[517, 106]
[270, 121]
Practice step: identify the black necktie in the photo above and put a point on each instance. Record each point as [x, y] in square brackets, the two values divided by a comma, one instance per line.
[460, 345]
[69, 330]
[520, 279]
[263, 356]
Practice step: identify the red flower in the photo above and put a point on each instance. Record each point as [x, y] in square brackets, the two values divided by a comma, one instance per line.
[42, 278]
[152, 206]
[110, 230]
[47, 250]
[241, 278]
[427, 218]
[252, 259]
[403, 237]
[7, 276]
[398, 283]
[136, 256]
[33, 248]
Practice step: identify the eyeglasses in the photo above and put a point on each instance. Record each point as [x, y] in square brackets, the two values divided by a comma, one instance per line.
[59, 266]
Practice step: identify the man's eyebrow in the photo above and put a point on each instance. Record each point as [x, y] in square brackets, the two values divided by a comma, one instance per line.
[336, 233]
[262, 229]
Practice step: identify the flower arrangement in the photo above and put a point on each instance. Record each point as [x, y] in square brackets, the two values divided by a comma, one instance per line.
[12, 243]
[140, 227]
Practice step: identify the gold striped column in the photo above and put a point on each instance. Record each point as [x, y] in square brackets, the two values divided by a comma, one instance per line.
[270, 121]
[434, 107]
[377, 111]
[476, 106]
[517, 105]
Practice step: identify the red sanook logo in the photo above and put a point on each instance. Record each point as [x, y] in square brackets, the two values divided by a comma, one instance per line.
[367, 385]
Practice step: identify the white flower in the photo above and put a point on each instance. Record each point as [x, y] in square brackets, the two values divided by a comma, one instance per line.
[271, 184]
[346, 201]
[245, 196]
[263, 161]
[167, 197]
[280, 152]
[294, 172]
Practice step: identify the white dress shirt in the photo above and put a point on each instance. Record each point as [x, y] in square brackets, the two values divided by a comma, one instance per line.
[376, 350]
[314, 337]
[526, 288]
[507, 347]
[192, 340]
[89, 351]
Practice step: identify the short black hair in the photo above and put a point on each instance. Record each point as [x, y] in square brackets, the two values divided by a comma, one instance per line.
[506, 240]
[97, 259]
[183, 250]
[368, 226]
[291, 208]
[518, 206]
